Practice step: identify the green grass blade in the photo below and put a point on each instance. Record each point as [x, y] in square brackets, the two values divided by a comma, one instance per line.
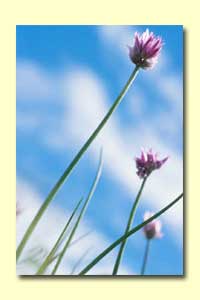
[79, 261]
[130, 222]
[90, 194]
[80, 238]
[124, 237]
[71, 245]
[73, 164]
[49, 257]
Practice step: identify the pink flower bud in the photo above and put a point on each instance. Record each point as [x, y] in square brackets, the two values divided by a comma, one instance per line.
[153, 228]
[146, 50]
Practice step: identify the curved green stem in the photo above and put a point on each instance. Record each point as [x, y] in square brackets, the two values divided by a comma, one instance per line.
[128, 234]
[128, 226]
[79, 261]
[91, 192]
[49, 257]
[73, 164]
[145, 257]
[71, 245]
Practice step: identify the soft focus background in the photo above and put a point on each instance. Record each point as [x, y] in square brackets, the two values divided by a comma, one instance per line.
[67, 78]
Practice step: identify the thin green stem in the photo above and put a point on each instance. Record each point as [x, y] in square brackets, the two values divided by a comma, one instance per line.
[49, 257]
[128, 226]
[73, 164]
[128, 234]
[79, 261]
[71, 245]
[145, 257]
[90, 194]
[80, 238]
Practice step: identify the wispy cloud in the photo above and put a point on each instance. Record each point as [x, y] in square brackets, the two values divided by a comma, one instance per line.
[118, 37]
[33, 83]
[83, 108]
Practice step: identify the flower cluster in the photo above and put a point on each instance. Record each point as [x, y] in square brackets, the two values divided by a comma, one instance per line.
[147, 163]
[146, 50]
[153, 228]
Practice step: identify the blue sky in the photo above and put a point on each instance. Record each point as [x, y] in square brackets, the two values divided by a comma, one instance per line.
[67, 77]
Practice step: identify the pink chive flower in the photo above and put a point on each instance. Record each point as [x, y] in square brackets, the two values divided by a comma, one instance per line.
[153, 228]
[148, 162]
[146, 49]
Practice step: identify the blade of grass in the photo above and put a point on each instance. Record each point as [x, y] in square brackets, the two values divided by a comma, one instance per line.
[128, 226]
[124, 237]
[80, 238]
[71, 166]
[71, 245]
[90, 194]
[36, 254]
[79, 261]
[49, 257]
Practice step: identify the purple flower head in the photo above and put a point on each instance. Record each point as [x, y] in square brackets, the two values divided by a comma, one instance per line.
[153, 228]
[148, 162]
[146, 49]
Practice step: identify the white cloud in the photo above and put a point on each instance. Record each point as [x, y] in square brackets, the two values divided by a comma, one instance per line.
[85, 102]
[33, 83]
[118, 37]
[171, 86]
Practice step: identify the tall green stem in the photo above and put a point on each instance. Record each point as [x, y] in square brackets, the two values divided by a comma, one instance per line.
[73, 164]
[90, 194]
[145, 257]
[128, 226]
[128, 234]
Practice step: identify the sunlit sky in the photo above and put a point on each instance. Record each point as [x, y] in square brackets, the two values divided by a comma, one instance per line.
[67, 78]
